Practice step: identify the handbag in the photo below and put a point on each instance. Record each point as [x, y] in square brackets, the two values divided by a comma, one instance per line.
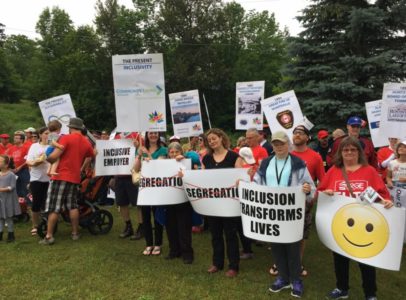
[135, 176]
[347, 182]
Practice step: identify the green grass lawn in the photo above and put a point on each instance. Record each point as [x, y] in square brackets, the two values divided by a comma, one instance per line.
[107, 267]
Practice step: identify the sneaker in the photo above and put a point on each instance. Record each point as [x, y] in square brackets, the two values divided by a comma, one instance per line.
[244, 255]
[278, 285]
[297, 289]
[75, 236]
[139, 233]
[337, 294]
[128, 231]
[47, 241]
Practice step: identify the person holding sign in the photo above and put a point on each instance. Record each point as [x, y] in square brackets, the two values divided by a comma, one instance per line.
[220, 157]
[386, 155]
[153, 149]
[283, 170]
[397, 168]
[179, 220]
[350, 176]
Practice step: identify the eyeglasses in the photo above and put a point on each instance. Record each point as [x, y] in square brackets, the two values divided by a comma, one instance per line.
[299, 133]
[350, 150]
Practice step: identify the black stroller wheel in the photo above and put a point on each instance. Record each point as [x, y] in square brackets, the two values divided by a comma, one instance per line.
[101, 223]
[43, 227]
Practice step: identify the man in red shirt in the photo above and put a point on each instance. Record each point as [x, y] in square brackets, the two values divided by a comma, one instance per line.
[64, 188]
[4, 143]
[28, 137]
[315, 166]
[353, 129]
[253, 138]
[18, 152]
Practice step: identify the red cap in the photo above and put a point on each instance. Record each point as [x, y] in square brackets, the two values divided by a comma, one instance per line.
[4, 136]
[322, 134]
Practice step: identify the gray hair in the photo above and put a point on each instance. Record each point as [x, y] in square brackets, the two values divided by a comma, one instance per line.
[253, 130]
[176, 146]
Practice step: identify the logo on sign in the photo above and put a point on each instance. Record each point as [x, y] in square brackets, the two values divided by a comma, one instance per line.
[285, 119]
[155, 117]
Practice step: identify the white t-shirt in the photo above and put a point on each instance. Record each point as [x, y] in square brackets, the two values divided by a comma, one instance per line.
[398, 169]
[38, 173]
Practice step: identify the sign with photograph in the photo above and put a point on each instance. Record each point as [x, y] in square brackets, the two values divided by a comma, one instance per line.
[248, 113]
[186, 114]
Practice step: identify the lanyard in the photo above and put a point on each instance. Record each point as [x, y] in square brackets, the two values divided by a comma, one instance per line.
[279, 175]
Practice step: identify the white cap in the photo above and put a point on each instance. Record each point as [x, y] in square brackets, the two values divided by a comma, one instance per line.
[174, 137]
[247, 155]
[30, 129]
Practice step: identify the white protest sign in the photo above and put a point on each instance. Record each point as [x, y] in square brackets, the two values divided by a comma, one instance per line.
[374, 111]
[114, 157]
[283, 112]
[160, 184]
[393, 116]
[248, 112]
[139, 89]
[273, 215]
[186, 114]
[398, 195]
[58, 108]
[214, 192]
[363, 232]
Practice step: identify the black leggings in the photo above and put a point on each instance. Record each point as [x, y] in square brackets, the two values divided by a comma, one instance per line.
[39, 195]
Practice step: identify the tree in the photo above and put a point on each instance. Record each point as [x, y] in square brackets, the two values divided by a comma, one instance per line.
[345, 54]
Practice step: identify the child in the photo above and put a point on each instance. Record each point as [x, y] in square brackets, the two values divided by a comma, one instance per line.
[54, 127]
[9, 206]
[396, 175]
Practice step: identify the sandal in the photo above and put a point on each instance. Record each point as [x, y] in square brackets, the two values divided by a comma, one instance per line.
[303, 272]
[147, 251]
[34, 231]
[157, 250]
[273, 270]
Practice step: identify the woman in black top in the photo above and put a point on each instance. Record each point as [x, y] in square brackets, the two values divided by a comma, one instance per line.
[218, 157]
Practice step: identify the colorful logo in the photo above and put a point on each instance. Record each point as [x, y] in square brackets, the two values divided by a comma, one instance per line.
[196, 127]
[285, 119]
[155, 117]
[256, 121]
[360, 230]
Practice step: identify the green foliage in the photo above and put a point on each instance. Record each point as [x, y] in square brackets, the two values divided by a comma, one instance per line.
[18, 116]
[347, 51]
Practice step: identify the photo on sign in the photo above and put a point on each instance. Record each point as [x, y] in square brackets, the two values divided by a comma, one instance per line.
[186, 113]
[250, 105]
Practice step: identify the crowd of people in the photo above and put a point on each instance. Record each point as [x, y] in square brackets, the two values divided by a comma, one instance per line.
[50, 164]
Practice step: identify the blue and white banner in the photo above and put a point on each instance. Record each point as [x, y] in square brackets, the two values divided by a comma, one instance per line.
[186, 114]
[139, 89]
[58, 108]
[248, 112]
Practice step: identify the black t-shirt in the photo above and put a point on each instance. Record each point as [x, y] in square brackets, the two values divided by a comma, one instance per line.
[228, 161]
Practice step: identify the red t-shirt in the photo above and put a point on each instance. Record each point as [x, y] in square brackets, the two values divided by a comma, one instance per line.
[3, 149]
[382, 155]
[27, 144]
[359, 179]
[76, 148]
[314, 163]
[18, 153]
[259, 153]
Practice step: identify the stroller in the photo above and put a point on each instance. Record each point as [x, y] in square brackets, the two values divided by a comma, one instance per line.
[96, 220]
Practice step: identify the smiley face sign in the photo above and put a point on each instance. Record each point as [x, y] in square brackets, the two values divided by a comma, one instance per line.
[360, 230]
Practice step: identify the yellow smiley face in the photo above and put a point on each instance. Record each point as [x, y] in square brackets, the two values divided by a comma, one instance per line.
[360, 230]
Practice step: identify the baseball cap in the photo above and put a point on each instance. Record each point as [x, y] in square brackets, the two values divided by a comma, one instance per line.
[354, 121]
[246, 153]
[4, 136]
[302, 128]
[280, 136]
[174, 137]
[30, 129]
[322, 134]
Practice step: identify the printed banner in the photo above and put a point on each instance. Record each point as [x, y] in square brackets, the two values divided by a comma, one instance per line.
[139, 89]
[398, 195]
[160, 184]
[58, 108]
[114, 157]
[393, 117]
[366, 233]
[186, 114]
[214, 192]
[374, 111]
[248, 112]
[273, 215]
[283, 112]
